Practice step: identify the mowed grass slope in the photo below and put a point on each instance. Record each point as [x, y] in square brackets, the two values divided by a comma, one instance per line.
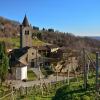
[15, 42]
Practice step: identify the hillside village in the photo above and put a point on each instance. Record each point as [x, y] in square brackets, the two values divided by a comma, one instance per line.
[47, 55]
[45, 58]
[28, 56]
[50, 50]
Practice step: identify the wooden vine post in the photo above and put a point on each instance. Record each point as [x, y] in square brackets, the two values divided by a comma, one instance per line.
[85, 69]
[97, 68]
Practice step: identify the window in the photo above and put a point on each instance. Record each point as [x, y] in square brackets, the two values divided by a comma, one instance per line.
[26, 32]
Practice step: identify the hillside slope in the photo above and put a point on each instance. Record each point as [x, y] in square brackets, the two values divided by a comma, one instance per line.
[9, 32]
[70, 41]
[8, 28]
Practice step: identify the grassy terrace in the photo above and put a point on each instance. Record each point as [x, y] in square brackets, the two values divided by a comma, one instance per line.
[15, 42]
[59, 91]
[75, 90]
[37, 42]
[31, 75]
[63, 91]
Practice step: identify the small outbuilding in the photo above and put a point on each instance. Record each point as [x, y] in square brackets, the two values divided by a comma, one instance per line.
[19, 70]
[21, 73]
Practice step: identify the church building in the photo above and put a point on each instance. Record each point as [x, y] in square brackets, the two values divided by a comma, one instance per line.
[24, 57]
[29, 56]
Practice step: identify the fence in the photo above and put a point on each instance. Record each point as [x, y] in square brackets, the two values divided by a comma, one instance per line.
[44, 89]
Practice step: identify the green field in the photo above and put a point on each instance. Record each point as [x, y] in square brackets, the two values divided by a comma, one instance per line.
[15, 42]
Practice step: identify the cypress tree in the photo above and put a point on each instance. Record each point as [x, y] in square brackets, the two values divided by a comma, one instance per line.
[4, 62]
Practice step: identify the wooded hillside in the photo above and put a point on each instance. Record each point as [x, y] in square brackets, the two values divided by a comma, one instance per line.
[10, 29]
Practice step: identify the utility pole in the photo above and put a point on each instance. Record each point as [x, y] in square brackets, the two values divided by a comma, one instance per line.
[85, 69]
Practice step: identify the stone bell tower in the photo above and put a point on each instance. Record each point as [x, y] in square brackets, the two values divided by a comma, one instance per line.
[25, 34]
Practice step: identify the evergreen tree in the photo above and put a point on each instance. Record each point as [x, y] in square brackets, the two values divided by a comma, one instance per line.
[4, 62]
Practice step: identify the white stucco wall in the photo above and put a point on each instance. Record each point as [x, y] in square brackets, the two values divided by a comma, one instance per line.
[21, 73]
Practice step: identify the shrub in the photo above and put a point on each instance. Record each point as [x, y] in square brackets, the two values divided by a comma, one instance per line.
[85, 97]
[76, 98]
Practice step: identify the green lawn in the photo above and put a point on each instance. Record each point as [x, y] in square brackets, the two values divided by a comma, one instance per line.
[37, 42]
[76, 91]
[15, 42]
[32, 97]
[31, 75]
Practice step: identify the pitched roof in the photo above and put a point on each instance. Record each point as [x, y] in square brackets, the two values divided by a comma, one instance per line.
[17, 63]
[20, 52]
[25, 21]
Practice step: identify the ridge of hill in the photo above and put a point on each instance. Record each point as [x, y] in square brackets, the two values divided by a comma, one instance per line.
[8, 20]
[95, 37]
[9, 29]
